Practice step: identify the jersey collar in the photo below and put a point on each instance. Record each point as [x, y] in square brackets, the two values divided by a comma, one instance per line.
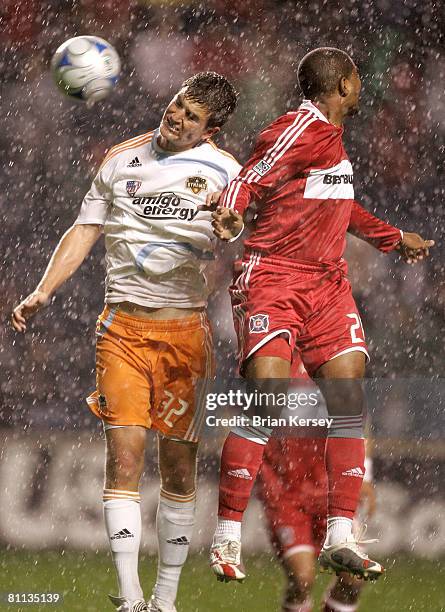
[307, 105]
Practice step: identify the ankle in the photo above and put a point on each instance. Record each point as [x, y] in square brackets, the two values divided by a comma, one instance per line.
[227, 530]
[339, 530]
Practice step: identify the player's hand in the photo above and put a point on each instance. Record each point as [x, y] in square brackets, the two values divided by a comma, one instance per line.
[227, 223]
[368, 498]
[414, 248]
[27, 308]
[212, 200]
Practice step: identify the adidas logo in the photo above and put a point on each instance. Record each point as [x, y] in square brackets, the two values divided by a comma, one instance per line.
[134, 163]
[357, 472]
[242, 473]
[182, 540]
[124, 533]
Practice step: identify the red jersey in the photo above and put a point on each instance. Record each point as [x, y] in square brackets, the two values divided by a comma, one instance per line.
[302, 181]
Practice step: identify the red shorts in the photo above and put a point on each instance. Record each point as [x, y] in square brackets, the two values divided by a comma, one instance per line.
[292, 485]
[308, 305]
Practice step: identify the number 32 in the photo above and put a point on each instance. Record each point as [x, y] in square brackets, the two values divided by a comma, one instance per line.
[166, 412]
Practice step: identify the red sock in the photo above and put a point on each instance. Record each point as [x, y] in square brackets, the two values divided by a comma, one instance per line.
[345, 466]
[240, 462]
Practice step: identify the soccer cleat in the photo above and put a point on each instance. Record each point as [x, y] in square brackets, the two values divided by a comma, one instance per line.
[349, 557]
[125, 605]
[225, 561]
[154, 606]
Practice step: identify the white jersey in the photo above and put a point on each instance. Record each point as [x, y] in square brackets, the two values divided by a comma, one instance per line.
[160, 248]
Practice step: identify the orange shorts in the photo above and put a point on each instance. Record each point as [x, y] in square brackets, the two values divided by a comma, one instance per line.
[153, 373]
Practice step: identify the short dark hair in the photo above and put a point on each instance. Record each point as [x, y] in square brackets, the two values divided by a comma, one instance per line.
[213, 91]
[320, 71]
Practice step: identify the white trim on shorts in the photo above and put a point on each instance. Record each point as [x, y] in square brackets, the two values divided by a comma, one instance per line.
[108, 426]
[267, 339]
[350, 350]
[297, 549]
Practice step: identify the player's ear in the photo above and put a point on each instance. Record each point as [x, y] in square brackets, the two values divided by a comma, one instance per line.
[210, 132]
[343, 87]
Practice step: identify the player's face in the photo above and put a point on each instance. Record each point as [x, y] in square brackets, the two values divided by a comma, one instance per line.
[184, 124]
[354, 85]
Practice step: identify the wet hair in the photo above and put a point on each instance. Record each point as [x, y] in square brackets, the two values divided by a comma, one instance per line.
[320, 71]
[215, 93]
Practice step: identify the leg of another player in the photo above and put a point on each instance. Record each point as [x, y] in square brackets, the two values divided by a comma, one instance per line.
[340, 382]
[124, 465]
[175, 517]
[241, 458]
[300, 571]
[343, 594]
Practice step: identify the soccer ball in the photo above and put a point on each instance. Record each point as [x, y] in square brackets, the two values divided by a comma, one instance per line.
[86, 68]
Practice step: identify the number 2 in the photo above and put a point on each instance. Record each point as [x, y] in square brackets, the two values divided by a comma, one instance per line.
[355, 326]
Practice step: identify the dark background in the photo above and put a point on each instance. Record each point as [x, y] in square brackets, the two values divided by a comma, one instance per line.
[51, 147]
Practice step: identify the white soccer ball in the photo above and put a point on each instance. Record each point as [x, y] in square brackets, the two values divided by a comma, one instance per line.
[86, 68]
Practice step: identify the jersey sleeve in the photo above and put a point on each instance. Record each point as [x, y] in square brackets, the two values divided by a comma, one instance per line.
[380, 234]
[97, 201]
[282, 151]
[233, 170]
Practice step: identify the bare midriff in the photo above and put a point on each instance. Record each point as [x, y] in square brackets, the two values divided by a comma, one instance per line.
[156, 313]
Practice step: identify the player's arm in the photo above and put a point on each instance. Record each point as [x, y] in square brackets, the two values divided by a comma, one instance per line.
[227, 224]
[385, 237]
[72, 249]
[282, 150]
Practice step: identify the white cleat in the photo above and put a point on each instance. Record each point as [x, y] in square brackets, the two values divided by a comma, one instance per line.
[225, 561]
[155, 606]
[349, 557]
[125, 605]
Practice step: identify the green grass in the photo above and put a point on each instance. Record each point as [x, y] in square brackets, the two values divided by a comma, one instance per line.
[85, 580]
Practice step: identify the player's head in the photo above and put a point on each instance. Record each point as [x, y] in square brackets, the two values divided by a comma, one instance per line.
[197, 112]
[326, 72]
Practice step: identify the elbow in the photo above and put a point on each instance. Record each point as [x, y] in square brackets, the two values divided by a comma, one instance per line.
[86, 232]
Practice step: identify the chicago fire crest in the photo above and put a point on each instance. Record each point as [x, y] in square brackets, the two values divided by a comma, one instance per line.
[259, 324]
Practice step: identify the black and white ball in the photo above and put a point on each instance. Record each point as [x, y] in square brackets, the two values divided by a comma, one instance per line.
[86, 68]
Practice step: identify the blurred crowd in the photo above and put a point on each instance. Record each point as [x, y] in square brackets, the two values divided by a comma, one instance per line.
[51, 147]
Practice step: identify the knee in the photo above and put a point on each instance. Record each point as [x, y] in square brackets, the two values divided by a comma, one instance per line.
[179, 479]
[177, 466]
[124, 465]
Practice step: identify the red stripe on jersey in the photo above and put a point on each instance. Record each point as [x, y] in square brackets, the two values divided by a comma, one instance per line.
[304, 196]
[285, 141]
[293, 137]
[282, 144]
